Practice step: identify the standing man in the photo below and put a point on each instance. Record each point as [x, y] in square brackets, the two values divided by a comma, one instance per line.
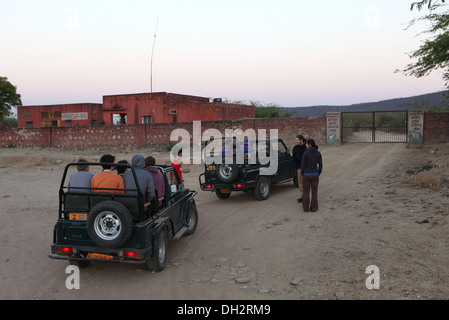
[298, 151]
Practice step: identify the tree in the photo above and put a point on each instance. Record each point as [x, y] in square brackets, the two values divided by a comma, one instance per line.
[9, 98]
[270, 111]
[430, 4]
[434, 52]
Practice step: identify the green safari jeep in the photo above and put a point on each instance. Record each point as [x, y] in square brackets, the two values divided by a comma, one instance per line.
[225, 174]
[120, 227]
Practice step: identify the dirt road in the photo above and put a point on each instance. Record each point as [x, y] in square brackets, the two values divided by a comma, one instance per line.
[245, 249]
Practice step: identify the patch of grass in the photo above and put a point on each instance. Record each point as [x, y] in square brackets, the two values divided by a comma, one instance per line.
[426, 180]
[421, 168]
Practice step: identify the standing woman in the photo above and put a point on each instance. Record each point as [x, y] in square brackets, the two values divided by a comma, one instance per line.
[311, 168]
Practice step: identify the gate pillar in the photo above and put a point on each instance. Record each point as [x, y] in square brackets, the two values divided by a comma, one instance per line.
[415, 125]
[333, 127]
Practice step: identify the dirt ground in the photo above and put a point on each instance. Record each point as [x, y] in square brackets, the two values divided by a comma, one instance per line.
[373, 211]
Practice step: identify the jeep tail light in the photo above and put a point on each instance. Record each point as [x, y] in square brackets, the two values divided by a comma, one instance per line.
[64, 250]
[209, 187]
[239, 186]
[131, 254]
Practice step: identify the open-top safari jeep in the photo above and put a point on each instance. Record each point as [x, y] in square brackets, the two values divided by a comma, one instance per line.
[225, 173]
[120, 227]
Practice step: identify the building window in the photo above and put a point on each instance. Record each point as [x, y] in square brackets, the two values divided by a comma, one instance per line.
[146, 119]
[52, 124]
[69, 123]
[51, 115]
[29, 124]
[173, 111]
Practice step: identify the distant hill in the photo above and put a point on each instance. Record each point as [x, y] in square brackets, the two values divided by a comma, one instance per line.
[426, 100]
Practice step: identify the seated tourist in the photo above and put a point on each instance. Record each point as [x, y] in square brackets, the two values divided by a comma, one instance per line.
[107, 181]
[158, 178]
[144, 179]
[80, 181]
[121, 169]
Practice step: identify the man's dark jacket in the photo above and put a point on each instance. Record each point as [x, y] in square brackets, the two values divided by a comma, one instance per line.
[297, 153]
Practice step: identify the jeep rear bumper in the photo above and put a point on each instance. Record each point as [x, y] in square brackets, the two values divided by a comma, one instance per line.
[97, 254]
[237, 186]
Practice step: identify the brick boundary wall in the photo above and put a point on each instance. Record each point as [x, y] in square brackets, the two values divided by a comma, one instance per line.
[155, 135]
[436, 127]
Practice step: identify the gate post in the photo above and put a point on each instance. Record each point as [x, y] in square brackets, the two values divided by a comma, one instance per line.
[333, 118]
[415, 125]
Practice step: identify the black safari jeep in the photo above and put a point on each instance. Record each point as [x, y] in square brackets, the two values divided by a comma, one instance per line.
[224, 176]
[120, 227]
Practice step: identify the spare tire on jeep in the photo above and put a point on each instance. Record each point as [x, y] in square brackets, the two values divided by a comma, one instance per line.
[227, 172]
[110, 224]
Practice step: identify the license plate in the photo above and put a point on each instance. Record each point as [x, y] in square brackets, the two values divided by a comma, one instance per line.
[98, 256]
[225, 190]
[78, 216]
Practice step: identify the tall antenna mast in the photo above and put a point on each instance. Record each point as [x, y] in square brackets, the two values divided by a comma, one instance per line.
[152, 54]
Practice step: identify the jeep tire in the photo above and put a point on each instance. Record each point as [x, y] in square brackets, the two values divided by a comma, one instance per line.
[262, 189]
[81, 264]
[221, 195]
[109, 224]
[158, 261]
[192, 220]
[227, 173]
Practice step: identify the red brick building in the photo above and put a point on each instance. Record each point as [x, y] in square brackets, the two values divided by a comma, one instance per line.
[63, 115]
[144, 108]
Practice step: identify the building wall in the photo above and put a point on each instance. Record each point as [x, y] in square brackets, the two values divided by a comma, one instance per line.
[165, 107]
[436, 127]
[34, 114]
[160, 107]
[154, 135]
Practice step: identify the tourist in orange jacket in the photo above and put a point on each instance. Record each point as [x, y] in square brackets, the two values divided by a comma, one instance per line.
[107, 181]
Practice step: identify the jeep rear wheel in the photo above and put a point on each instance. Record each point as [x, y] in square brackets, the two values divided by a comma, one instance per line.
[82, 264]
[262, 189]
[192, 220]
[222, 195]
[227, 172]
[158, 261]
[109, 224]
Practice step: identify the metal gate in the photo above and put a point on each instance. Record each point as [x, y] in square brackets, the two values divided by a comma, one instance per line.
[375, 127]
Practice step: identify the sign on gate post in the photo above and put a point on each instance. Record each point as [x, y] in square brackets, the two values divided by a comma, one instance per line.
[415, 125]
[333, 128]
